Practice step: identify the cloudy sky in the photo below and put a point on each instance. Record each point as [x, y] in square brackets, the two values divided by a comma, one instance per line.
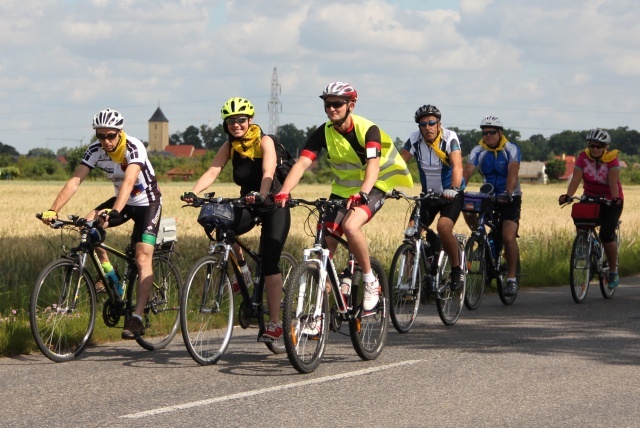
[542, 66]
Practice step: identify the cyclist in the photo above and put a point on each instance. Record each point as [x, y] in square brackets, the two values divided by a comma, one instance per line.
[439, 158]
[599, 169]
[124, 159]
[498, 161]
[253, 158]
[365, 166]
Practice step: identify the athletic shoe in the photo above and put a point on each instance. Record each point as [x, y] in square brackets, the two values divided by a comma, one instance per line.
[371, 295]
[133, 328]
[272, 331]
[511, 289]
[614, 279]
[457, 279]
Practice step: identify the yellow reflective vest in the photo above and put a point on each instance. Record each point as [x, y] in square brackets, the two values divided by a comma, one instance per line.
[349, 171]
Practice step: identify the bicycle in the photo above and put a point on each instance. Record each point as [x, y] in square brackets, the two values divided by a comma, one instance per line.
[485, 256]
[208, 303]
[62, 309]
[587, 253]
[307, 316]
[418, 272]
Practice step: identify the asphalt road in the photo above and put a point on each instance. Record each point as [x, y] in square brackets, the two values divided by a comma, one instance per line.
[545, 361]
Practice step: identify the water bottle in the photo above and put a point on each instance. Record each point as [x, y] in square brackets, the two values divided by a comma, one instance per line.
[345, 283]
[114, 280]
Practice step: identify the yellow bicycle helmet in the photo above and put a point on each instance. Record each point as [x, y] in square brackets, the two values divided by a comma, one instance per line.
[235, 106]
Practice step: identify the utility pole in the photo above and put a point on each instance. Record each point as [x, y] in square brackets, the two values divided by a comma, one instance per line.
[275, 107]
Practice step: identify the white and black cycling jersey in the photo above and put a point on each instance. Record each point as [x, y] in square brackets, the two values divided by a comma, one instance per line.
[145, 190]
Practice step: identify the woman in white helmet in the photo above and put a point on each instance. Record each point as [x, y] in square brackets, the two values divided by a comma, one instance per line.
[599, 170]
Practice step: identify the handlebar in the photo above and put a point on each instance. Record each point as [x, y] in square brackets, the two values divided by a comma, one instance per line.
[210, 198]
[332, 204]
[74, 220]
[399, 194]
[584, 198]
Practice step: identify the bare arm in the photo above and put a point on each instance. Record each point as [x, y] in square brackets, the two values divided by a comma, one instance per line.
[130, 178]
[211, 174]
[302, 164]
[575, 181]
[467, 171]
[456, 162]
[70, 188]
[512, 176]
[371, 172]
[406, 155]
[269, 161]
[612, 177]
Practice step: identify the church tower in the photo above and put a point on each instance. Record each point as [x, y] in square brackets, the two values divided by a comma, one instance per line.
[158, 132]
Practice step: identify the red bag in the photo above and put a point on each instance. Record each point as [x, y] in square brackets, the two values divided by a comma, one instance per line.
[585, 214]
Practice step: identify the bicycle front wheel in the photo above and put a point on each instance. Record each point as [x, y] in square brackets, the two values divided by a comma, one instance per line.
[502, 280]
[206, 310]
[305, 318]
[476, 272]
[286, 265]
[369, 330]
[161, 317]
[448, 302]
[580, 272]
[404, 293]
[62, 310]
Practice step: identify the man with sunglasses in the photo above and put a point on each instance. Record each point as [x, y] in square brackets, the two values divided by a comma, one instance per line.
[599, 170]
[124, 159]
[437, 152]
[498, 161]
[365, 165]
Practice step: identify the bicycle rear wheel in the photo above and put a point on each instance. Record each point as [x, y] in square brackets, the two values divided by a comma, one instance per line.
[607, 292]
[580, 270]
[305, 325]
[448, 302]
[161, 317]
[62, 310]
[369, 331]
[404, 296]
[207, 309]
[286, 265]
[476, 272]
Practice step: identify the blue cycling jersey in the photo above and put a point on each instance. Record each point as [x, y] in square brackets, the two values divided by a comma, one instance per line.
[494, 166]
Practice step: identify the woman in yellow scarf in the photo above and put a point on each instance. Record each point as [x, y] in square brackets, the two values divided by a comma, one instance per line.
[599, 170]
[253, 157]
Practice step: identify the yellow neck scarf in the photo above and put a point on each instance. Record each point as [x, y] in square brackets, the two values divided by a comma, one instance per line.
[118, 154]
[495, 149]
[249, 144]
[607, 156]
[435, 146]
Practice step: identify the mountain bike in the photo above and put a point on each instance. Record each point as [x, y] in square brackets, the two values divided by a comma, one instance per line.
[485, 251]
[587, 253]
[208, 302]
[63, 305]
[308, 316]
[421, 270]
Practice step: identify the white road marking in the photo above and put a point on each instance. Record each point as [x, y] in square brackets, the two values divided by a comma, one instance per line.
[169, 409]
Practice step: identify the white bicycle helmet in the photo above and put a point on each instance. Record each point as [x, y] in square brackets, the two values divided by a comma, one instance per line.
[491, 122]
[108, 118]
[599, 135]
[340, 89]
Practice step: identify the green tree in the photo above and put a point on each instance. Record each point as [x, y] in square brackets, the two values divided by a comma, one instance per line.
[39, 152]
[212, 138]
[8, 150]
[191, 136]
[291, 138]
[555, 169]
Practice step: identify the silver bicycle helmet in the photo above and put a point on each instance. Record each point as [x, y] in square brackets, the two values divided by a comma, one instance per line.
[427, 110]
[340, 89]
[108, 118]
[491, 122]
[599, 135]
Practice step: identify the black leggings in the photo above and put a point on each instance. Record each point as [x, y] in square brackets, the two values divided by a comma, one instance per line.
[275, 228]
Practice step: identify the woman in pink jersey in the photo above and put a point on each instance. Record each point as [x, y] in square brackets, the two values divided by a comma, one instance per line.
[599, 169]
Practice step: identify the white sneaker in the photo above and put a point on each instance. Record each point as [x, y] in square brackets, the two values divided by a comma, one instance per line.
[371, 295]
[312, 329]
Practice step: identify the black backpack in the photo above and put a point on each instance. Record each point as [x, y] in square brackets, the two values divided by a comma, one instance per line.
[284, 161]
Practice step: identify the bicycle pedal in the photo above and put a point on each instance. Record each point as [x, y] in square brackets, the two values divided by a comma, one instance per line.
[265, 339]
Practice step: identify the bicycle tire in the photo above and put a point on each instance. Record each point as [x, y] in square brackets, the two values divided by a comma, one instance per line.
[448, 302]
[476, 272]
[368, 333]
[502, 280]
[62, 334]
[161, 318]
[607, 292]
[304, 349]
[286, 265]
[404, 299]
[580, 269]
[207, 310]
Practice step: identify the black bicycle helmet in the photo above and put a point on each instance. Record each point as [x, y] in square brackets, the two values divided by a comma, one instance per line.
[427, 110]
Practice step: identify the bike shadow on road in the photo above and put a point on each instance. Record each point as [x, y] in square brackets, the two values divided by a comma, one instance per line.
[542, 321]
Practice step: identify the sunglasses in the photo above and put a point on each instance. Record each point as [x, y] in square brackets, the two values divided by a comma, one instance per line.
[109, 136]
[236, 120]
[596, 146]
[492, 132]
[335, 104]
[429, 123]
